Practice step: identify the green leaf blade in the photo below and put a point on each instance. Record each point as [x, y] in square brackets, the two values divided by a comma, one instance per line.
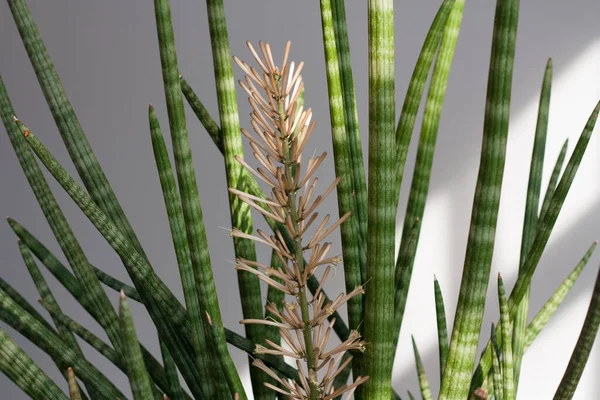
[379, 303]
[531, 214]
[568, 384]
[350, 232]
[416, 87]
[422, 173]
[188, 188]
[139, 379]
[21, 369]
[440, 311]
[423, 382]
[508, 383]
[172, 201]
[475, 277]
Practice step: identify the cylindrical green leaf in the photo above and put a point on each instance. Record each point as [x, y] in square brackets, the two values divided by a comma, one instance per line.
[379, 297]
[139, 380]
[480, 245]
[580, 355]
[21, 369]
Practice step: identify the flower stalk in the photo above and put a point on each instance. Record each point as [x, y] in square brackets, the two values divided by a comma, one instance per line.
[282, 128]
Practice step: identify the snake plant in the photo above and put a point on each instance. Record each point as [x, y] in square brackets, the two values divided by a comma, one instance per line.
[292, 325]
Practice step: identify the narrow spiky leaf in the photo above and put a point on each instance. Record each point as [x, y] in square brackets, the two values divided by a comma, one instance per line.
[168, 315]
[359, 185]
[46, 295]
[423, 382]
[582, 350]
[485, 363]
[547, 311]
[480, 245]
[57, 221]
[440, 311]
[241, 217]
[49, 342]
[403, 273]
[139, 380]
[546, 223]
[66, 120]
[416, 87]
[554, 179]
[422, 173]
[116, 284]
[496, 367]
[24, 304]
[190, 200]
[532, 205]
[508, 383]
[202, 113]
[25, 373]
[350, 231]
[156, 371]
[172, 201]
[175, 391]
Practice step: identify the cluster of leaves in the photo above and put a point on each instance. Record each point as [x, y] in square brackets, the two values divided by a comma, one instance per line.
[192, 336]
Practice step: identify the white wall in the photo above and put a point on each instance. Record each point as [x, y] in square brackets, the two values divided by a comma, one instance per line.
[107, 56]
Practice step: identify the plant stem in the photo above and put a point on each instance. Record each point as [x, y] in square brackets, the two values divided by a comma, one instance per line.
[289, 172]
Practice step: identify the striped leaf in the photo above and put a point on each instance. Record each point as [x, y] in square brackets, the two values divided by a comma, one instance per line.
[423, 382]
[202, 349]
[57, 221]
[485, 363]
[241, 217]
[440, 311]
[139, 380]
[552, 183]
[202, 113]
[155, 369]
[232, 338]
[532, 205]
[547, 311]
[480, 245]
[547, 221]
[422, 173]
[175, 391]
[68, 125]
[188, 190]
[350, 232]
[581, 353]
[116, 285]
[49, 342]
[379, 299]
[416, 87]
[508, 383]
[24, 304]
[46, 295]
[21, 369]
[166, 312]
[359, 186]
[496, 368]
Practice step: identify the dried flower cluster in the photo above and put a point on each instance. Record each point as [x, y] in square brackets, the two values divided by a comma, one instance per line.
[282, 129]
